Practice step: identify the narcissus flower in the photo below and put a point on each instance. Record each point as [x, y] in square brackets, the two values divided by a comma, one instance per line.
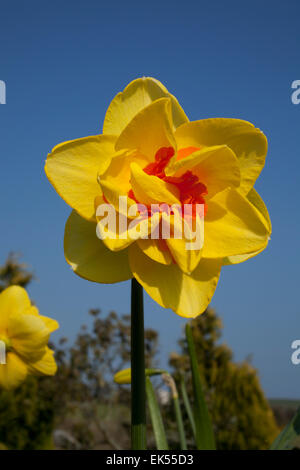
[124, 376]
[25, 335]
[151, 153]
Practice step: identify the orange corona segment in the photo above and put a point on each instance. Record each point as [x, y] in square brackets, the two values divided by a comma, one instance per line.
[191, 190]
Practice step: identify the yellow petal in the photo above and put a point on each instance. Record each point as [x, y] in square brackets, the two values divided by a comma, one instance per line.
[13, 300]
[123, 376]
[32, 310]
[88, 255]
[151, 248]
[13, 373]
[73, 168]
[257, 201]
[149, 189]
[121, 221]
[51, 324]
[112, 194]
[236, 259]
[186, 240]
[259, 204]
[115, 226]
[248, 143]
[136, 96]
[28, 335]
[187, 260]
[118, 172]
[187, 295]
[217, 167]
[114, 235]
[149, 130]
[45, 366]
[232, 226]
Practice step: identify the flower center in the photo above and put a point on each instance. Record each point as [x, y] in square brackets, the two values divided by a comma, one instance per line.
[191, 190]
[162, 158]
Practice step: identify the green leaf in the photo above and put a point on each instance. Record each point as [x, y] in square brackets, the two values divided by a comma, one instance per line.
[179, 420]
[170, 382]
[287, 437]
[156, 419]
[187, 405]
[204, 431]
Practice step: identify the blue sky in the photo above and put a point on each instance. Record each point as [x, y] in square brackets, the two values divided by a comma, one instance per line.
[64, 61]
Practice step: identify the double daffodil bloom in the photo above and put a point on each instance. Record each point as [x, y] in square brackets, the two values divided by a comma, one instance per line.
[151, 153]
[25, 335]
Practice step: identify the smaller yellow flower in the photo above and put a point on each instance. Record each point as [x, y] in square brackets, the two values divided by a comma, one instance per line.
[24, 335]
[124, 376]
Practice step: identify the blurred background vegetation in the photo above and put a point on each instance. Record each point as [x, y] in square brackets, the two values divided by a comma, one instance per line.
[82, 408]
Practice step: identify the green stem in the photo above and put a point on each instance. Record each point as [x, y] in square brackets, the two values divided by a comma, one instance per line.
[138, 392]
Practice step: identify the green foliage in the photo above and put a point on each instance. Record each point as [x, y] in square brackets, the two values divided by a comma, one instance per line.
[240, 413]
[14, 273]
[83, 401]
[290, 436]
[27, 415]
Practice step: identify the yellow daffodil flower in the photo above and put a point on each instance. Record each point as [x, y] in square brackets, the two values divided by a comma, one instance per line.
[151, 153]
[124, 376]
[25, 335]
